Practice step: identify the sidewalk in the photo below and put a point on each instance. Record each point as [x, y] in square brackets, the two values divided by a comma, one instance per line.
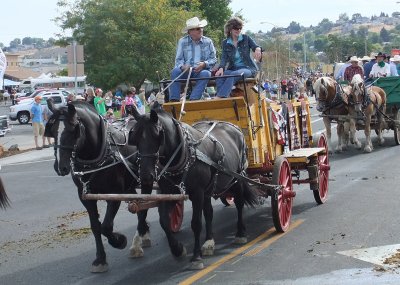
[29, 156]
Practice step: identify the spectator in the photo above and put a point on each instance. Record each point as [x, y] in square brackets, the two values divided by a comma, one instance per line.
[235, 58]
[6, 95]
[274, 90]
[90, 96]
[99, 102]
[196, 51]
[309, 86]
[38, 116]
[129, 102]
[290, 88]
[108, 99]
[283, 88]
[110, 116]
[13, 97]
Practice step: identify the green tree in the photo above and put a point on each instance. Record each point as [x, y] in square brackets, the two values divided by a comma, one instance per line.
[15, 42]
[294, 28]
[125, 41]
[384, 35]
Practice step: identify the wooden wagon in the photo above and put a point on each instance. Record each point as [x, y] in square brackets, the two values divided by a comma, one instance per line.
[279, 140]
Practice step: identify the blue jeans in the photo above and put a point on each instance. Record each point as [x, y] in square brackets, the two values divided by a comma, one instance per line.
[198, 89]
[224, 85]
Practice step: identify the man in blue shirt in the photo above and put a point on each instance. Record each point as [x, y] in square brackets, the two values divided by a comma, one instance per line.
[196, 51]
[368, 66]
[37, 116]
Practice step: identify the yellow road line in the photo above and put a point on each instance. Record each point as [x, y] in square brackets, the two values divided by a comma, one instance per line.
[238, 251]
[274, 238]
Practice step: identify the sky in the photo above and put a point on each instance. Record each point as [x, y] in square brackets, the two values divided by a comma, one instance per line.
[22, 18]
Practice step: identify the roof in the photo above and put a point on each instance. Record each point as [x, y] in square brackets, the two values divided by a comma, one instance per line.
[22, 73]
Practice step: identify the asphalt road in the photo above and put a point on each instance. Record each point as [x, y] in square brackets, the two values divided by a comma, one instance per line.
[44, 237]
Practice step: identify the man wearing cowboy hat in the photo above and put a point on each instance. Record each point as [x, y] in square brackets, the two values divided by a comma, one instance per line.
[353, 69]
[196, 51]
[396, 61]
[380, 68]
[392, 65]
[340, 74]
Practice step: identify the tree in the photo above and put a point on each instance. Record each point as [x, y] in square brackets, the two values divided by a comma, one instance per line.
[294, 28]
[324, 26]
[125, 41]
[15, 42]
[298, 46]
[384, 35]
[343, 17]
[362, 32]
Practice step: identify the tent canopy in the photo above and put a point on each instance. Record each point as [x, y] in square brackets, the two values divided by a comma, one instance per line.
[8, 82]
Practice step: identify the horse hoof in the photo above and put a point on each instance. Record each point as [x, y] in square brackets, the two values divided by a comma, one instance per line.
[119, 241]
[240, 240]
[381, 142]
[136, 252]
[196, 265]
[367, 149]
[208, 248]
[99, 268]
[146, 243]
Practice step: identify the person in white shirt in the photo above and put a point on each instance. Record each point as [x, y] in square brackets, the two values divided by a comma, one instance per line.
[380, 68]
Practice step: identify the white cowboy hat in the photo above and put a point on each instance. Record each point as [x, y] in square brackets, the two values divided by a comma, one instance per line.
[373, 54]
[79, 97]
[353, 58]
[396, 58]
[194, 23]
[365, 58]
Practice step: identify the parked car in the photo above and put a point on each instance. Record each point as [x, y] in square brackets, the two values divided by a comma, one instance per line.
[30, 95]
[21, 112]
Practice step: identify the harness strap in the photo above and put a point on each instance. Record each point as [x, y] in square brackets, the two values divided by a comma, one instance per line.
[204, 158]
[170, 161]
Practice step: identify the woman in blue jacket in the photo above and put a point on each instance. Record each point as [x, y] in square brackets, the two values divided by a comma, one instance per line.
[235, 58]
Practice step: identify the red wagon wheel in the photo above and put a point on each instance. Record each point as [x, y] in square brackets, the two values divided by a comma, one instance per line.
[321, 195]
[176, 216]
[282, 200]
[227, 200]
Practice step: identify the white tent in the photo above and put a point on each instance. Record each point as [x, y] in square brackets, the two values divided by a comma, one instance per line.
[8, 82]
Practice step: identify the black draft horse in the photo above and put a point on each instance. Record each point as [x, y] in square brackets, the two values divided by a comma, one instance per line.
[164, 142]
[89, 144]
[4, 201]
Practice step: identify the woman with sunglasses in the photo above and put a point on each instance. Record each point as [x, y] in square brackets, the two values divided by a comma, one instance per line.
[235, 58]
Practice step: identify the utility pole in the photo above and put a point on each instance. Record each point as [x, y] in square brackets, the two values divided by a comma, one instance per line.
[75, 67]
[305, 52]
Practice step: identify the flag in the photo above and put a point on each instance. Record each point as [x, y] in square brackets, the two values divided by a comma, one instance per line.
[3, 66]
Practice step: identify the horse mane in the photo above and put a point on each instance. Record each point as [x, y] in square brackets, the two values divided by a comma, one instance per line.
[357, 79]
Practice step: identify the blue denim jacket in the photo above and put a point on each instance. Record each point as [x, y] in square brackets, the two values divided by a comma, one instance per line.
[184, 52]
[244, 45]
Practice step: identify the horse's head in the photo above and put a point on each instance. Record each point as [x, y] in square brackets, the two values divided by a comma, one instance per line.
[357, 92]
[325, 90]
[71, 137]
[148, 136]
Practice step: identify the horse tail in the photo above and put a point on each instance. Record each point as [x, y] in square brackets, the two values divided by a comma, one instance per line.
[250, 194]
[4, 201]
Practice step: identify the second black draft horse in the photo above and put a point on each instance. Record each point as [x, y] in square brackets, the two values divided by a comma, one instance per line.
[169, 154]
[99, 150]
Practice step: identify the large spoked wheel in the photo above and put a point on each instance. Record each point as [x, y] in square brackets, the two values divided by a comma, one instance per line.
[396, 128]
[227, 200]
[321, 194]
[282, 199]
[176, 216]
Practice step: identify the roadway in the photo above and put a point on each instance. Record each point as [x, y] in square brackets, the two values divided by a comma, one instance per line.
[44, 237]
